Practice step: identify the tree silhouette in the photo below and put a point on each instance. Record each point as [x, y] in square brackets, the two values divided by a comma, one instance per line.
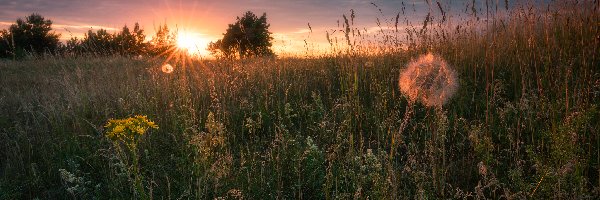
[33, 34]
[130, 42]
[73, 46]
[249, 36]
[140, 46]
[100, 42]
[124, 41]
[163, 42]
[5, 47]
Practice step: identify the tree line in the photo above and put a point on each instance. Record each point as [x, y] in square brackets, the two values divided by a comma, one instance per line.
[247, 37]
[34, 35]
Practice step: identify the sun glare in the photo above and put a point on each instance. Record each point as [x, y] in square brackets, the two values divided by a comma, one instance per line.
[194, 43]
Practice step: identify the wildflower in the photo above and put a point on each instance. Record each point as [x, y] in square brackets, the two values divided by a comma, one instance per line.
[428, 79]
[167, 68]
[128, 130]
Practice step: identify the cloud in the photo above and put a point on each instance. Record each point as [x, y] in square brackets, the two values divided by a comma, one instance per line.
[302, 31]
[83, 27]
[211, 18]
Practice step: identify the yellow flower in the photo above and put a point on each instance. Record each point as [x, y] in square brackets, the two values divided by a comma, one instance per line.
[129, 129]
[119, 129]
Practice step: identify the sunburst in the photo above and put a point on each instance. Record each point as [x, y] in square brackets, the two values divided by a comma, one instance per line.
[194, 43]
[190, 43]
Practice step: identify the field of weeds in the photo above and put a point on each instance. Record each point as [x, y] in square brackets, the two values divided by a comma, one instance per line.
[521, 121]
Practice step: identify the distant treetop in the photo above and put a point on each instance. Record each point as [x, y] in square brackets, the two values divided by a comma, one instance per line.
[33, 34]
[249, 36]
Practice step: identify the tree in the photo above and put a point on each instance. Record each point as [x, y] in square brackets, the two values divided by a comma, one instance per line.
[164, 41]
[124, 41]
[5, 47]
[249, 36]
[100, 42]
[130, 42]
[140, 46]
[73, 46]
[33, 34]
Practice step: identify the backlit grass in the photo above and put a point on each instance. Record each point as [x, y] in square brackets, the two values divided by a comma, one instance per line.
[523, 121]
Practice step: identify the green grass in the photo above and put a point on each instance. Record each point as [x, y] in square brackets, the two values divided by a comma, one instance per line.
[523, 124]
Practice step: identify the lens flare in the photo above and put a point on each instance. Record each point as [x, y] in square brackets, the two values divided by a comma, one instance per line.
[167, 68]
[192, 42]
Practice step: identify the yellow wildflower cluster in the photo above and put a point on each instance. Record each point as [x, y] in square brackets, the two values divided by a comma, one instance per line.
[128, 129]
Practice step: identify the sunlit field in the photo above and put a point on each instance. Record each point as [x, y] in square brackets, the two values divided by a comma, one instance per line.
[503, 105]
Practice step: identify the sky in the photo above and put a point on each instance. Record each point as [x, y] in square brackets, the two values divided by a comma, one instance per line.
[207, 20]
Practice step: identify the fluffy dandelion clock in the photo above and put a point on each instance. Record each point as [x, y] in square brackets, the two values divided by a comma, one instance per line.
[428, 79]
[167, 68]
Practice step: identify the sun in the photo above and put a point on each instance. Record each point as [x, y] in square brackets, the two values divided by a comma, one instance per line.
[194, 43]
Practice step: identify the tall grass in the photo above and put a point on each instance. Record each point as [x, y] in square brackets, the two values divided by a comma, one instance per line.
[523, 123]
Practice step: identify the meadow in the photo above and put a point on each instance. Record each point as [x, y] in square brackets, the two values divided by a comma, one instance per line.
[523, 122]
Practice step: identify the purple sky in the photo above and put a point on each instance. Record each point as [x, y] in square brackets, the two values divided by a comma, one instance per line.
[209, 19]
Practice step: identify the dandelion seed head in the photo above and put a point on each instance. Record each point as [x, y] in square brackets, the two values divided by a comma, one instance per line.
[167, 68]
[428, 79]
[429, 57]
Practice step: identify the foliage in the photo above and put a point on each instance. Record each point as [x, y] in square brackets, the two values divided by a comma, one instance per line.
[101, 42]
[249, 36]
[5, 47]
[131, 42]
[164, 41]
[34, 35]
[129, 132]
[30, 35]
[126, 42]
